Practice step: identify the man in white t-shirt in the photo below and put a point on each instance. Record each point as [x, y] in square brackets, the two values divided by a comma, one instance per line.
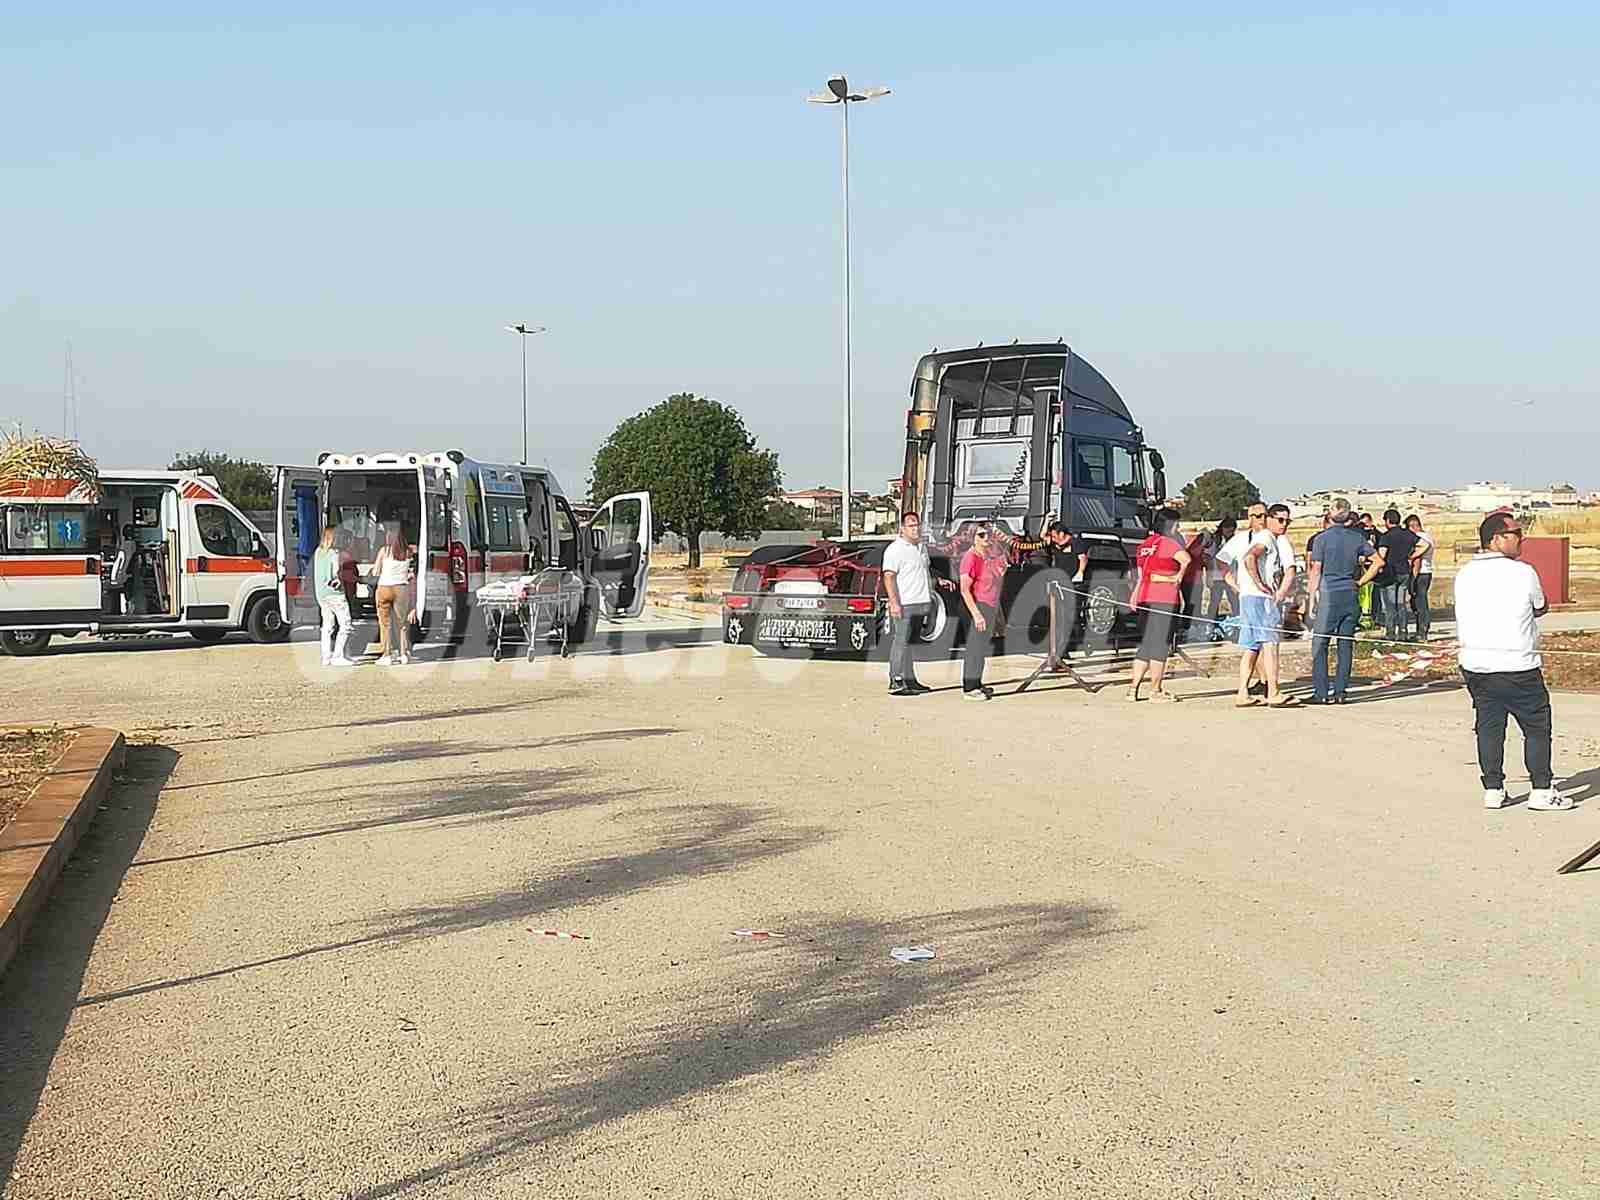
[909, 585]
[1498, 600]
[1266, 577]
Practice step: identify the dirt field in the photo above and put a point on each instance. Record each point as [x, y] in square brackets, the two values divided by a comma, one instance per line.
[1180, 951]
[25, 756]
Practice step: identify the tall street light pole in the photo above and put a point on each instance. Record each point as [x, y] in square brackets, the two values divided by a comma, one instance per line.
[839, 93]
[525, 332]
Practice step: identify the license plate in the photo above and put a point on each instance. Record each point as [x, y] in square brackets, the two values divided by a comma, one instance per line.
[800, 602]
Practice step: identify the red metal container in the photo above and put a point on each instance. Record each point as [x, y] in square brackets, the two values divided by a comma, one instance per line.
[1551, 557]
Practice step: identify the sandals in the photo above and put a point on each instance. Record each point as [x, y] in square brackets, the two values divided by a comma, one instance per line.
[1285, 702]
[1252, 702]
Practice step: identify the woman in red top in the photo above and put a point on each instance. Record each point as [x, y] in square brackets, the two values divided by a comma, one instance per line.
[1162, 560]
[982, 569]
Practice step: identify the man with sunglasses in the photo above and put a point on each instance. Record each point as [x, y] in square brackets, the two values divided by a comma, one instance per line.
[1266, 578]
[1498, 602]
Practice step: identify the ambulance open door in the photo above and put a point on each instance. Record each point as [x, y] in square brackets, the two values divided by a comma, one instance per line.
[302, 500]
[620, 535]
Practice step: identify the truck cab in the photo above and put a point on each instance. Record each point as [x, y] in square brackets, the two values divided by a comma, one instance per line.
[1021, 435]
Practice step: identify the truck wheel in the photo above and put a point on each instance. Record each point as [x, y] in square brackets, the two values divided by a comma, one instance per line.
[941, 628]
[25, 643]
[265, 624]
[208, 637]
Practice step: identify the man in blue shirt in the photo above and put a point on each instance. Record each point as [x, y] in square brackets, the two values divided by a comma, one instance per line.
[1335, 569]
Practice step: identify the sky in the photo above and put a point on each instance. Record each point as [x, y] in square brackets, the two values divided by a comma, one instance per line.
[1344, 246]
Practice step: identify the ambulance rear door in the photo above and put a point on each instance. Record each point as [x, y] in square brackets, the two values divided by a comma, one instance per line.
[302, 501]
[435, 592]
[49, 571]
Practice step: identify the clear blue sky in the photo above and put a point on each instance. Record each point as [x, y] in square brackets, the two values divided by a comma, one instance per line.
[1352, 245]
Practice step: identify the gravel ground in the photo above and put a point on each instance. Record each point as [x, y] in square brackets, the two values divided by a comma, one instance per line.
[1181, 951]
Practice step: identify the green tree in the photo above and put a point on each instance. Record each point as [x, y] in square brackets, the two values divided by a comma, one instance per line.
[247, 484]
[699, 464]
[783, 515]
[1220, 492]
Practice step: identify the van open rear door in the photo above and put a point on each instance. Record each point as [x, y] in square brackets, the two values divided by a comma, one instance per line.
[620, 534]
[302, 500]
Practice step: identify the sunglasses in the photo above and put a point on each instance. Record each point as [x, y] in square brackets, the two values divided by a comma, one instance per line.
[979, 534]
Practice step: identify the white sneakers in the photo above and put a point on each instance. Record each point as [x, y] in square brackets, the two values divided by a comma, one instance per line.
[1548, 800]
[341, 661]
[1539, 800]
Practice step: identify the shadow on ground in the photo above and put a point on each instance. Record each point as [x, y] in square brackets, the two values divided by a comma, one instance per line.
[682, 842]
[812, 998]
[429, 751]
[40, 989]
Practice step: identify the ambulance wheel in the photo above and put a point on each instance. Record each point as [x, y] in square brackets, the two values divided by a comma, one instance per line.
[25, 643]
[265, 624]
[208, 637]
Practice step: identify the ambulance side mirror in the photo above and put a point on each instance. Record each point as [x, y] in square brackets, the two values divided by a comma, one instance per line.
[258, 548]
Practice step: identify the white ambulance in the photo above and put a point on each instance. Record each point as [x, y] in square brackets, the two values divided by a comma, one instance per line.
[471, 523]
[159, 551]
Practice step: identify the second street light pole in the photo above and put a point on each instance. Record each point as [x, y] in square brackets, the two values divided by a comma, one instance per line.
[839, 93]
[525, 332]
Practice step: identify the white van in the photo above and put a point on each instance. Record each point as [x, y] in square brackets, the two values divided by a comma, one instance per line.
[471, 523]
[194, 562]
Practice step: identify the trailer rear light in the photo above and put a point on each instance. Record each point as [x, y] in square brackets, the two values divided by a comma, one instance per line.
[458, 566]
[861, 604]
[736, 601]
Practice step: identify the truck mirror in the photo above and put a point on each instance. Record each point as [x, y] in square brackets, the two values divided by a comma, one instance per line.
[1156, 461]
[1161, 486]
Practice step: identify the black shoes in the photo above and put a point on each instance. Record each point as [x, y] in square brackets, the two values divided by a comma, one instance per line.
[901, 687]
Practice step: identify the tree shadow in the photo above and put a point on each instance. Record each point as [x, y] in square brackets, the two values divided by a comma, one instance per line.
[40, 989]
[481, 710]
[408, 752]
[836, 987]
[686, 841]
[729, 837]
[501, 796]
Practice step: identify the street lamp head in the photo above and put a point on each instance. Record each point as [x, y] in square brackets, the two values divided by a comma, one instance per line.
[822, 100]
[838, 86]
[871, 94]
[525, 329]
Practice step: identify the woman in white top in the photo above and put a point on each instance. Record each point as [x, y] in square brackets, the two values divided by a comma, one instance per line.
[392, 596]
[1421, 576]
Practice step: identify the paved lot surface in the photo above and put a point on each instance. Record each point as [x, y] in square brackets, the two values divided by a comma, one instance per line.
[1181, 951]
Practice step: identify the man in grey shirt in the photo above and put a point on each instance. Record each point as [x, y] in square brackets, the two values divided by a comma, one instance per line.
[1336, 560]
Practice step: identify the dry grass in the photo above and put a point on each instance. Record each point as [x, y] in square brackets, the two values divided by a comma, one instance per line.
[25, 756]
[1571, 662]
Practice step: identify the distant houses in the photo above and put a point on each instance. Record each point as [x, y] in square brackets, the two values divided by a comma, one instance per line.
[1479, 497]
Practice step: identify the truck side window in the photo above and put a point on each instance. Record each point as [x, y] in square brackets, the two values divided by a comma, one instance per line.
[1125, 474]
[566, 536]
[1091, 468]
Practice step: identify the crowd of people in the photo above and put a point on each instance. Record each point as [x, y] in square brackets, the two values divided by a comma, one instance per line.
[1355, 572]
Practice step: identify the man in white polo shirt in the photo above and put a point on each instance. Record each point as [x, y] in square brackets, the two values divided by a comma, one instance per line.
[909, 585]
[1498, 599]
